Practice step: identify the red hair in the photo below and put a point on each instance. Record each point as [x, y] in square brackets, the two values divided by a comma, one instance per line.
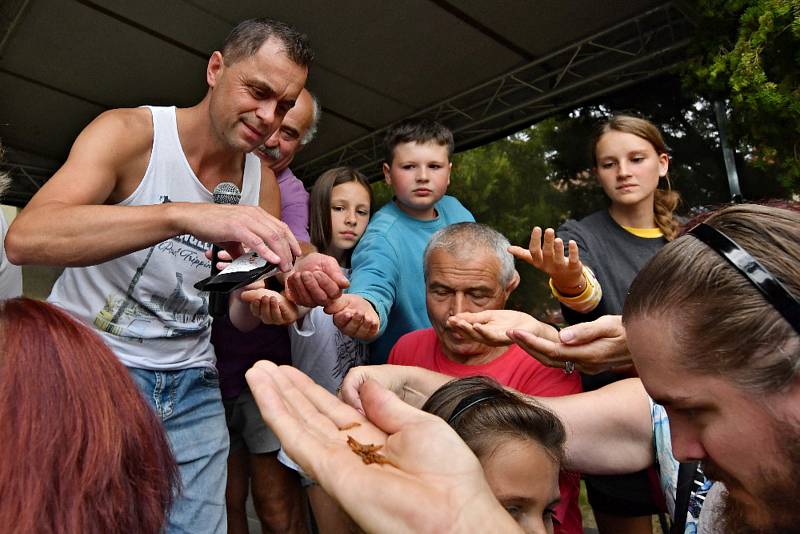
[82, 451]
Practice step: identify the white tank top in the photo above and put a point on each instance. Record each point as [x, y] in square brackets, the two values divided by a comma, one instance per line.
[144, 304]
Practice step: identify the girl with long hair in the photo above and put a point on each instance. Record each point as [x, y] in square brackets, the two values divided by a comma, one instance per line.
[605, 251]
[339, 210]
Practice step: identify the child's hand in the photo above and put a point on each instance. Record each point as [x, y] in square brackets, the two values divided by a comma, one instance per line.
[355, 317]
[548, 256]
[316, 281]
[270, 306]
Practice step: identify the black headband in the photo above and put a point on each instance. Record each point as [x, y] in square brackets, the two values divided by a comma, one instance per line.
[769, 286]
[468, 402]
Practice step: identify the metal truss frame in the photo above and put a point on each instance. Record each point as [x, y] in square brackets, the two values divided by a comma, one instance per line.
[632, 51]
[627, 53]
[27, 180]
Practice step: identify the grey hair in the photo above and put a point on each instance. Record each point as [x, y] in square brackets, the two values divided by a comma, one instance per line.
[465, 238]
[316, 113]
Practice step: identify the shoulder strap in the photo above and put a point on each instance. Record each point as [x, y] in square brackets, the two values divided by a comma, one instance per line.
[683, 491]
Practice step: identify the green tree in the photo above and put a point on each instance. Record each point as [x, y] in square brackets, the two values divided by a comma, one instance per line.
[747, 52]
[542, 175]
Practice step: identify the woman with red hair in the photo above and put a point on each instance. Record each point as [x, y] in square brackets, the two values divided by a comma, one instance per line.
[82, 451]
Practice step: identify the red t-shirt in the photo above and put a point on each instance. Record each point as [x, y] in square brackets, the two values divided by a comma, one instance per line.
[514, 369]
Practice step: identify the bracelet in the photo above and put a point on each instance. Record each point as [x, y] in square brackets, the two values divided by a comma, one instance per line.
[578, 289]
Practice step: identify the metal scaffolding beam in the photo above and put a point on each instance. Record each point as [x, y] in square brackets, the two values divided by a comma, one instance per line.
[639, 48]
[26, 179]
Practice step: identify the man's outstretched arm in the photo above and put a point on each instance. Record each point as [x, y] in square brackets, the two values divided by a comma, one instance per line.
[71, 221]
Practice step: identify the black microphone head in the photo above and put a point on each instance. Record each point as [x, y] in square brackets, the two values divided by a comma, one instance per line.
[227, 193]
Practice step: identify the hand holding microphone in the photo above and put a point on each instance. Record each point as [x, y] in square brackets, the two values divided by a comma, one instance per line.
[224, 193]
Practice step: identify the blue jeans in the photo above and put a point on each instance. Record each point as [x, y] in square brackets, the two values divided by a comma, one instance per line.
[189, 405]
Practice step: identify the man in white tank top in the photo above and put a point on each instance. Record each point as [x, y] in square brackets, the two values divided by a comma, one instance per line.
[130, 216]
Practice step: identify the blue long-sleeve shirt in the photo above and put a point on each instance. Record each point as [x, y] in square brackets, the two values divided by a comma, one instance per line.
[387, 269]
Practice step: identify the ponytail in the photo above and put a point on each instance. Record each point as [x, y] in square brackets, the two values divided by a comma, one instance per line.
[664, 205]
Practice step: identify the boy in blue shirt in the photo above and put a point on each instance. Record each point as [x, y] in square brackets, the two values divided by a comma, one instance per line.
[386, 298]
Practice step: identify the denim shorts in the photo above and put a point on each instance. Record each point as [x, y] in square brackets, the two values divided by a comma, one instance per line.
[189, 405]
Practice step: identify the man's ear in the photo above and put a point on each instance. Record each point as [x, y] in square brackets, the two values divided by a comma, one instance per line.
[386, 175]
[215, 67]
[512, 285]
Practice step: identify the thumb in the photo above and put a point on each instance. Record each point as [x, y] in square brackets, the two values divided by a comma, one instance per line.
[335, 306]
[521, 253]
[386, 410]
[578, 334]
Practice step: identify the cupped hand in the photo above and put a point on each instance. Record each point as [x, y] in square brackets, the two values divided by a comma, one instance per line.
[593, 347]
[316, 281]
[270, 306]
[355, 317]
[433, 482]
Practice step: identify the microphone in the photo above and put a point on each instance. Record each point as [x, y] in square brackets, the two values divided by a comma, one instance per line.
[224, 193]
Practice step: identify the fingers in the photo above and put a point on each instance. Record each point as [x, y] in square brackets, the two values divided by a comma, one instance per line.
[255, 295]
[349, 390]
[329, 287]
[304, 432]
[492, 336]
[542, 349]
[387, 411]
[280, 241]
[558, 253]
[574, 256]
[521, 254]
[281, 408]
[334, 272]
[258, 284]
[269, 237]
[541, 253]
[312, 288]
[276, 255]
[336, 306]
[535, 244]
[476, 317]
[323, 263]
[224, 257]
[323, 401]
[356, 324]
[297, 292]
[547, 247]
[465, 329]
[269, 306]
[605, 326]
[592, 357]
